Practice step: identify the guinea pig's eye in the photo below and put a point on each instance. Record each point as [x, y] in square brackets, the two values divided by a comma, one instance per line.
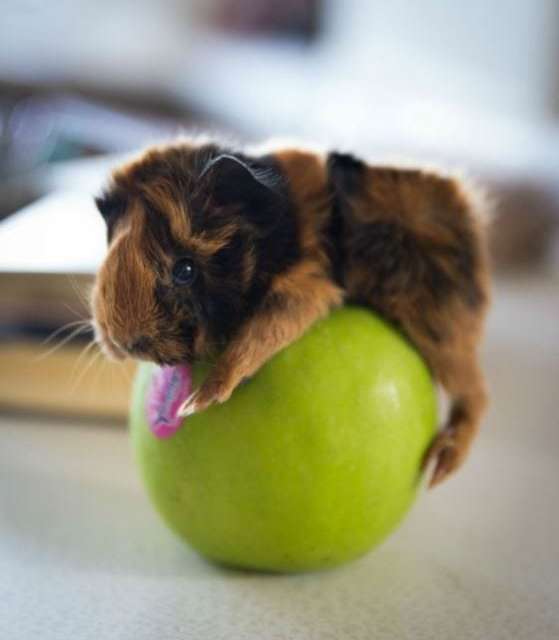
[184, 271]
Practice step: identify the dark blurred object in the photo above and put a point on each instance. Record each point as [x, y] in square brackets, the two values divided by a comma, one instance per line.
[37, 130]
[298, 19]
[40, 127]
[525, 228]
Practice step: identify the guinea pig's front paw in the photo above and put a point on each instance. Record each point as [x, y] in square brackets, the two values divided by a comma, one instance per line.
[210, 392]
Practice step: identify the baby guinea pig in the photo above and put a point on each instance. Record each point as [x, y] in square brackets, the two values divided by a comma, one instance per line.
[217, 254]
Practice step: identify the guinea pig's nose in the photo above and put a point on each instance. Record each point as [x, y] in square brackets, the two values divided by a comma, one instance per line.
[139, 345]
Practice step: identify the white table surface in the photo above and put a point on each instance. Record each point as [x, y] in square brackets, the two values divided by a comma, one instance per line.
[83, 556]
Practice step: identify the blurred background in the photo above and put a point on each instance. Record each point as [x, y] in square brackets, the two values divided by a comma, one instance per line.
[472, 86]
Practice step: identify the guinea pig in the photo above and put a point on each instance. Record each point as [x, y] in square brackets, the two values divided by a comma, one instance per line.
[228, 256]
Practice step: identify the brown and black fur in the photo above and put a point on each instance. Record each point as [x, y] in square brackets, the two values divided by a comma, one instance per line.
[279, 239]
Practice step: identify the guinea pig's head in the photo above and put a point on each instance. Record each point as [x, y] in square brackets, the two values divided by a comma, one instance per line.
[187, 229]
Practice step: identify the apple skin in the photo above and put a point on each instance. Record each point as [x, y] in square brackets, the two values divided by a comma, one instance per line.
[311, 463]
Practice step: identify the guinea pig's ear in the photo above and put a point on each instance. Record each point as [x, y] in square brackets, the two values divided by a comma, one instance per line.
[256, 189]
[111, 205]
[346, 173]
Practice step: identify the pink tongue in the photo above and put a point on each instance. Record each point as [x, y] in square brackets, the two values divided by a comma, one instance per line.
[170, 386]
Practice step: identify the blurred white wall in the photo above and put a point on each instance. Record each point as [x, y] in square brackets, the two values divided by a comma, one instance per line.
[123, 44]
[442, 79]
[501, 55]
[498, 54]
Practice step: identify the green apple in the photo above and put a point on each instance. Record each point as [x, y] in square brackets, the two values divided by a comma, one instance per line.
[310, 463]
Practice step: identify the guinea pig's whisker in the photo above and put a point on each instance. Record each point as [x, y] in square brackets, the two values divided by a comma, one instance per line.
[84, 371]
[81, 295]
[102, 370]
[56, 332]
[73, 311]
[123, 371]
[87, 349]
[82, 327]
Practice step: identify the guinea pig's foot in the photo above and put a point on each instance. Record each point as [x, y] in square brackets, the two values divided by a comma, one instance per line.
[210, 392]
[447, 454]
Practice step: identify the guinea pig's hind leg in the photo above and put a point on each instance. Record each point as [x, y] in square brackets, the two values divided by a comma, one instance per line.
[464, 381]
